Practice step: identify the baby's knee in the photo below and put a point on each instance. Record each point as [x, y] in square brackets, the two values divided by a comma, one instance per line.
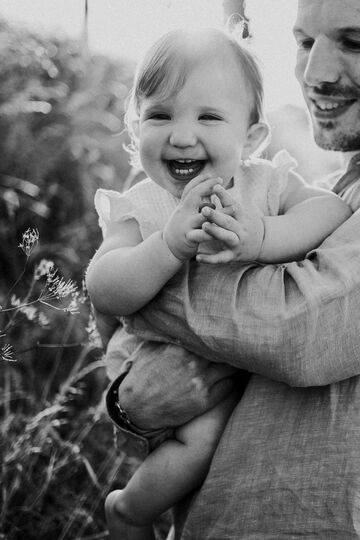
[118, 508]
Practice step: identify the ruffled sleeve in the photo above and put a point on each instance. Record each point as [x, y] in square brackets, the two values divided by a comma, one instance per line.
[115, 207]
[146, 202]
[282, 163]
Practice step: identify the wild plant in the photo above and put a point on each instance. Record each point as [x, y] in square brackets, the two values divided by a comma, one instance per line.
[57, 453]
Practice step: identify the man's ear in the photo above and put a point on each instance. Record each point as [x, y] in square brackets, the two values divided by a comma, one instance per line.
[257, 137]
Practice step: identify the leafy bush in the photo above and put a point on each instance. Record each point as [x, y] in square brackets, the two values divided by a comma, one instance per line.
[61, 120]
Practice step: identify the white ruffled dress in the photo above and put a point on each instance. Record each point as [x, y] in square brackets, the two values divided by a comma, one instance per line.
[262, 184]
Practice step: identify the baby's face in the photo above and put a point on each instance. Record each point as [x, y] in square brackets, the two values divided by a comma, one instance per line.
[202, 129]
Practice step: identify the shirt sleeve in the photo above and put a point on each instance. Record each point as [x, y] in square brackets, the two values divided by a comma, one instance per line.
[298, 323]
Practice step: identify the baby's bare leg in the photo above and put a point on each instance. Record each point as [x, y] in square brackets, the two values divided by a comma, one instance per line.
[174, 469]
[119, 526]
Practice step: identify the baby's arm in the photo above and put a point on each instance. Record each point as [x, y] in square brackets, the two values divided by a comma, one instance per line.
[118, 277]
[309, 215]
[127, 271]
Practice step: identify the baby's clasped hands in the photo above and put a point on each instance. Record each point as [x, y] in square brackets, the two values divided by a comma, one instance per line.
[239, 229]
[180, 231]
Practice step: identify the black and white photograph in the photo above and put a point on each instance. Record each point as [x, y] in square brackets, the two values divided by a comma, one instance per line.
[180, 269]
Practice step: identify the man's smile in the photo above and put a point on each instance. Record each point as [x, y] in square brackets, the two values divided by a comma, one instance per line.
[329, 107]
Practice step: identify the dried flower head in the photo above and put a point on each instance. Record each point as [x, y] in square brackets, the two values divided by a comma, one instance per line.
[64, 288]
[30, 239]
[57, 287]
[6, 353]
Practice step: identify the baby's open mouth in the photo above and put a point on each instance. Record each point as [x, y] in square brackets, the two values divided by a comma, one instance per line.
[185, 169]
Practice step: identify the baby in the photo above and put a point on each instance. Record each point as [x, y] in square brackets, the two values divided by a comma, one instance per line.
[195, 117]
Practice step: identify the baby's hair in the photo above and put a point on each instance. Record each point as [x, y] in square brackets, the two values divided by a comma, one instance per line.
[164, 69]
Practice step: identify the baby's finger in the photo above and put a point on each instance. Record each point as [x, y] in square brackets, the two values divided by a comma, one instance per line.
[194, 182]
[225, 198]
[221, 257]
[198, 236]
[206, 201]
[197, 190]
[220, 218]
[196, 221]
[198, 179]
[229, 238]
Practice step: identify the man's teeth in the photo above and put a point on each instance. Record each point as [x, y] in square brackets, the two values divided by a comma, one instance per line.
[327, 106]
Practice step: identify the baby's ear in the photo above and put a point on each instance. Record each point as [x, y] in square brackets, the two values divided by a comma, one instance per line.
[258, 136]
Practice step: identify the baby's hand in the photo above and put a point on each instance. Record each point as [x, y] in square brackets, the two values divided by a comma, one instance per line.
[186, 218]
[239, 230]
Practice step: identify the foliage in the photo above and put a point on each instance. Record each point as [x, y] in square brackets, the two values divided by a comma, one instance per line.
[54, 476]
[61, 119]
[56, 446]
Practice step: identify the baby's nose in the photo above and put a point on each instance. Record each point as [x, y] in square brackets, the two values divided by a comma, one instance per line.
[183, 135]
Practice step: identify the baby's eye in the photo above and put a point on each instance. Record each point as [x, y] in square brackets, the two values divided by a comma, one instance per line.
[158, 116]
[209, 116]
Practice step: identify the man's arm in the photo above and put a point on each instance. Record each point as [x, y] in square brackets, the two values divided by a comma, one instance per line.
[297, 323]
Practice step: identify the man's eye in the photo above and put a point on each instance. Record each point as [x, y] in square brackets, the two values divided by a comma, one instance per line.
[351, 44]
[305, 44]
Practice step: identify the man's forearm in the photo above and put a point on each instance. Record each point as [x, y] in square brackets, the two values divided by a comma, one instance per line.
[296, 323]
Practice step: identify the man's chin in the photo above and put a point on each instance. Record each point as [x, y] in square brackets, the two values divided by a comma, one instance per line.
[337, 142]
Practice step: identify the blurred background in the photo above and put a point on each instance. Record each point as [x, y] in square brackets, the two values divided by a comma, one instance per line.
[66, 67]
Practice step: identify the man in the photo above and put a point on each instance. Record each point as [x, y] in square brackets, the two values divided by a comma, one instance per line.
[288, 463]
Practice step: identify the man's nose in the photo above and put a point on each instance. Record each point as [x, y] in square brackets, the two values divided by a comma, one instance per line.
[323, 64]
[182, 135]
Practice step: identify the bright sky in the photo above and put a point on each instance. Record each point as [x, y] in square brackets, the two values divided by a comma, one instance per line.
[125, 28]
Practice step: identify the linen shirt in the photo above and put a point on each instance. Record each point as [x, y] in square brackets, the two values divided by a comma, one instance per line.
[288, 463]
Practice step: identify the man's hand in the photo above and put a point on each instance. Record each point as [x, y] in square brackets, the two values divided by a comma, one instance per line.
[238, 230]
[168, 386]
[186, 217]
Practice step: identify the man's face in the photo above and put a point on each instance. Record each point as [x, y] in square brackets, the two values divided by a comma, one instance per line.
[328, 69]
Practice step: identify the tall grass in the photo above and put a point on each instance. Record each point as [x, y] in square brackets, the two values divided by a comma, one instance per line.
[58, 460]
[61, 122]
